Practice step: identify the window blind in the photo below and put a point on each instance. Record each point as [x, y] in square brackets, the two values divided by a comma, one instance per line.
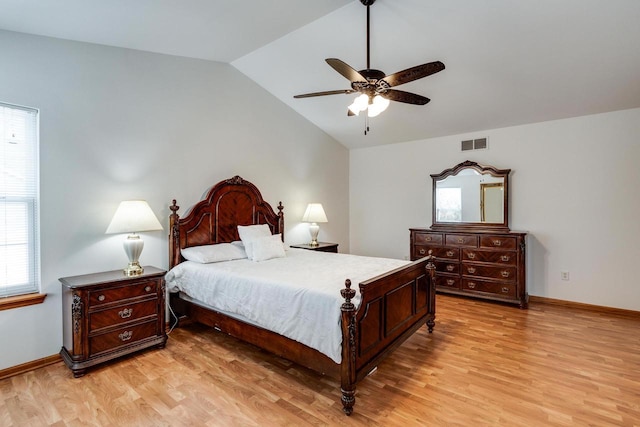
[19, 235]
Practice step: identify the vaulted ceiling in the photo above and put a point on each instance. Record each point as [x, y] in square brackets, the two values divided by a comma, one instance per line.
[507, 62]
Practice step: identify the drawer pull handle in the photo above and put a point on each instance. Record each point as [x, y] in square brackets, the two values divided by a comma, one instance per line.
[505, 258]
[422, 251]
[471, 255]
[450, 267]
[450, 254]
[147, 288]
[505, 274]
[460, 239]
[428, 239]
[101, 297]
[125, 336]
[471, 285]
[127, 312]
[450, 282]
[505, 290]
[471, 270]
[497, 242]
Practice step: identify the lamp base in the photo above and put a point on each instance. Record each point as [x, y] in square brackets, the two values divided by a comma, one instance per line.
[314, 229]
[133, 269]
[133, 245]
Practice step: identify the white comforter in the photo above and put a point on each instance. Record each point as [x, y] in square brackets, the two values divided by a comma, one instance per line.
[297, 296]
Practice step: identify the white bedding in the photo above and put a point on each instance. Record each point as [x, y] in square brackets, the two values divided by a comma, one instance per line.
[297, 296]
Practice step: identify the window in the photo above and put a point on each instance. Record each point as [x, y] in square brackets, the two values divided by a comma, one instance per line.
[19, 235]
[449, 207]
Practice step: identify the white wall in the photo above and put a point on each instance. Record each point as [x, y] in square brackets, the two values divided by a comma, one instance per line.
[118, 124]
[574, 188]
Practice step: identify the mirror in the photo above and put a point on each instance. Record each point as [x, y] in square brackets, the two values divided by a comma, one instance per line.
[472, 196]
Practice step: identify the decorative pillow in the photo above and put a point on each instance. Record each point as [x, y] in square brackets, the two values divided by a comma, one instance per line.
[265, 248]
[213, 253]
[249, 233]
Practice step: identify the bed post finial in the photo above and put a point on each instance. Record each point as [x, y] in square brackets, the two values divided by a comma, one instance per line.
[348, 366]
[281, 219]
[174, 235]
[431, 274]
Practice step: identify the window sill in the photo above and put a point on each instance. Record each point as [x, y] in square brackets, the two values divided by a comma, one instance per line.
[21, 301]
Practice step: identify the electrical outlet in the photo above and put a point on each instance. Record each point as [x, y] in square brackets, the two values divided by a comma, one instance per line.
[564, 275]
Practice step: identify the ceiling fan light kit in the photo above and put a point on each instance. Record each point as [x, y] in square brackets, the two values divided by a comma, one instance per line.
[374, 86]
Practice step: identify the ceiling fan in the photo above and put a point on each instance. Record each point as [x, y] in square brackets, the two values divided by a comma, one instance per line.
[374, 85]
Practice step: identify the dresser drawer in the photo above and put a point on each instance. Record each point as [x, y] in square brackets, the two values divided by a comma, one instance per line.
[502, 273]
[469, 240]
[497, 257]
[116, 294]
[121, 337]
[450, 282]
[447, 267]
[427, 239]
[438, 252]
[122, 314]
[502, 289]
[498, 242]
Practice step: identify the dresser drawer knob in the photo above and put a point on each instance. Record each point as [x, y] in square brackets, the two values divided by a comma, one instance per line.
[471, 255]
[450, 254]
[471, 270]
[460, 239]
[125, 336]
[450, 267]
[450, 282]
[422, 251]
[147, 288]
[505, 258]
[126, 313]
[471, 285]
[428, 239]
[101, 297]
[497, 242]
[505, 274]
[505, 290]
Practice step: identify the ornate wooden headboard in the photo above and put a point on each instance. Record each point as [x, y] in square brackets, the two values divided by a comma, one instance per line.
[215, 219]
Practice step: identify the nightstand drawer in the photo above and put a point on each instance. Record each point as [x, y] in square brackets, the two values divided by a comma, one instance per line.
[122, 314]
[117, 294]
[121, 337]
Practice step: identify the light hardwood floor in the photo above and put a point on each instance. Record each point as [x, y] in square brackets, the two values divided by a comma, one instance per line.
[485, 365]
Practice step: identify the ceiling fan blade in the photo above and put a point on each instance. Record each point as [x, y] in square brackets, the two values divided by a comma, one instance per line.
[346, 71]
[413, 73]
[328, 92]
[406, 97]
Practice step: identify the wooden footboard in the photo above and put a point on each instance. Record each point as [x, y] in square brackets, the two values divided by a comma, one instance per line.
[393, 306]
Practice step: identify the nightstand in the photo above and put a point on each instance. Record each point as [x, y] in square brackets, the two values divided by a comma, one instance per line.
[322, 247]
[108, 315]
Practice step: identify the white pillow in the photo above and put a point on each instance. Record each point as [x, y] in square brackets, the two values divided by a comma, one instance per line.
[213, 253]
[249, 233]
[265, 248]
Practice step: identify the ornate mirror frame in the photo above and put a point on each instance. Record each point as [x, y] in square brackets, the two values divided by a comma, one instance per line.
[472, 226]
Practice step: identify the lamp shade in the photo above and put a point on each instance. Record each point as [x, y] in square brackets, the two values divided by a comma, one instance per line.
[314, 213]
[133, 216]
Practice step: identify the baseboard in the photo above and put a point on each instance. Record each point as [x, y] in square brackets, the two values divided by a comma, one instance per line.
[579, 305]
[29, 366]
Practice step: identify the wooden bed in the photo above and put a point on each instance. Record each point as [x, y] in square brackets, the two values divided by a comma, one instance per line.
[393, 305]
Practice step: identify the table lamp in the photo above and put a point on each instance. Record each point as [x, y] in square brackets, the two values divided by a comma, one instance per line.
[314, 214]
[133, 216]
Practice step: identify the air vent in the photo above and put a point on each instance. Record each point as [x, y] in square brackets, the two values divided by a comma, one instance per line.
[474, 144]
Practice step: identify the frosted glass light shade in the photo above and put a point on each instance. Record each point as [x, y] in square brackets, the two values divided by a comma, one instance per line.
[133, 216]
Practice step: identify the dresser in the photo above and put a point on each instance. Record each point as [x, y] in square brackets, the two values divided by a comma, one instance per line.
[483, 265]
[107, 315]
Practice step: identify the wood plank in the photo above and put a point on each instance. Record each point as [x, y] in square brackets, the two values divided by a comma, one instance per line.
[485, 364]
